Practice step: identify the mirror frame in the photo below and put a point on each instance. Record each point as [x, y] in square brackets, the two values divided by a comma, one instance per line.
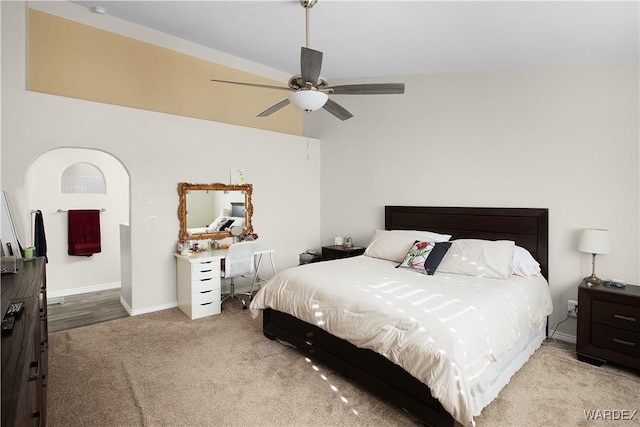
[184, 188]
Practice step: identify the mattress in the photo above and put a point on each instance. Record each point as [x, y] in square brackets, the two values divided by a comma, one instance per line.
[460, 335]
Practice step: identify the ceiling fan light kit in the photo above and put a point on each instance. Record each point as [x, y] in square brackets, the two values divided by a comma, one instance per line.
[308, 100]
[309, 92]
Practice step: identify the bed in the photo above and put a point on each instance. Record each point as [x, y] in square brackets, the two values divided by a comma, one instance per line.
[221, 223]
[405, 360]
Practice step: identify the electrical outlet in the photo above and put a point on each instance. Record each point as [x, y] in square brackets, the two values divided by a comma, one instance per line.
[572, 308]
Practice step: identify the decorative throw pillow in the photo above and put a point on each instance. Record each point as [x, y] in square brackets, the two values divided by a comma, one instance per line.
[424, 257]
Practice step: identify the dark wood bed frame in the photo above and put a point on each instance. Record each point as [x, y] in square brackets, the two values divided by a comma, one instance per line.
[527, 227]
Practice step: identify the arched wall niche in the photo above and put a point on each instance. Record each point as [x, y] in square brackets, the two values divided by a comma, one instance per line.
[82, 178]
[68, 275]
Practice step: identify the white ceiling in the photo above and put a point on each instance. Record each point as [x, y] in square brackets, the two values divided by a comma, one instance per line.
[388, 38]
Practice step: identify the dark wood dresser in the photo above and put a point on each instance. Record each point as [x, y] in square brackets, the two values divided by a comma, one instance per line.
[25, 347]
[339, 251]
[609, 325]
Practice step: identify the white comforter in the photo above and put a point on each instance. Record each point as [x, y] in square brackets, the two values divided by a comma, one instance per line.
[444, 329]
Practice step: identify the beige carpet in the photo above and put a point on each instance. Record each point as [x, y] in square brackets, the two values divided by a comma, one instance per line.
[162, 369]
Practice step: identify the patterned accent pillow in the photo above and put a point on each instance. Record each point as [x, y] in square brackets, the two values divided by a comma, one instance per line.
[424, 257]
[417, 255]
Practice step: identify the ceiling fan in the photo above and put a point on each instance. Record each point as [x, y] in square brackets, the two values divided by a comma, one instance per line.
[309, 92]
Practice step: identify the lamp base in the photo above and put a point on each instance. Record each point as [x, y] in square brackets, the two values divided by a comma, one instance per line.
[592, 280]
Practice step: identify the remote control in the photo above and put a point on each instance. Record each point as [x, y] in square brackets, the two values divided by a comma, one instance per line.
[15, 308]
[7, 324]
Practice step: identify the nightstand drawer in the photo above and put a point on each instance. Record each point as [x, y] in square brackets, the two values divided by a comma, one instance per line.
[615, 339]
[617, 315]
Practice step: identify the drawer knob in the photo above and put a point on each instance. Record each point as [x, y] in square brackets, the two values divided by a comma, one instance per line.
[621, 317]
[205, 271]
[206, 292]
[623, 342]
[204, 280]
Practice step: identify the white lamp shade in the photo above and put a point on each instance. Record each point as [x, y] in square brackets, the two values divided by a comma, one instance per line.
[308, 100]
[594, 241]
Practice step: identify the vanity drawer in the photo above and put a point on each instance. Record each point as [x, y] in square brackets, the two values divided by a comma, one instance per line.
[615, 339]
[617, 315]
[204, 271]
[205, 309]
[205, 284]
[208, 295]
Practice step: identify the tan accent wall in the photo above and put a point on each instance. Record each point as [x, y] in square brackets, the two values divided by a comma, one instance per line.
[79, 61]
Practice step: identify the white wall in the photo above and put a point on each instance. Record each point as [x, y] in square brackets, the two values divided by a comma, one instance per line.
[562, 139]
[158, 151]
[72, 274]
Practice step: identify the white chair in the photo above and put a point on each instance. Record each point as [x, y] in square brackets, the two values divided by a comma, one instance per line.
[238, 262]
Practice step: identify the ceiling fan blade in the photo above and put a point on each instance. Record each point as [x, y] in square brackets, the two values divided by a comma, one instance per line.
[310, 65]
[367, 89]
[337, 110]
[273, 109]
[253, 85]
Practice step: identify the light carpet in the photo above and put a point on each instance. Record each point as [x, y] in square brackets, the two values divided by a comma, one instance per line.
[163, 369]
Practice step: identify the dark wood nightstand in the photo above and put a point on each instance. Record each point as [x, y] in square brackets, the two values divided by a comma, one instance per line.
[609, 325]
[339, 251]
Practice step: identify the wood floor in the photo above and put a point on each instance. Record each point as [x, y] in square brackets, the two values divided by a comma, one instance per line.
[85, 309]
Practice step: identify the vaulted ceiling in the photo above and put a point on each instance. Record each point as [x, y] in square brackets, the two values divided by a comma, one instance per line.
[387, 38]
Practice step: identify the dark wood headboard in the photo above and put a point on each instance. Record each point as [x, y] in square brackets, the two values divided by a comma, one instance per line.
[527, 227]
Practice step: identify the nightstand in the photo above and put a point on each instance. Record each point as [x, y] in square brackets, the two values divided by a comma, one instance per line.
[609, 325]
[339, 251]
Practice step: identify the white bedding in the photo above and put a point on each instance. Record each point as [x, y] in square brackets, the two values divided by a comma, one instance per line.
[216, 224]
[447, 330]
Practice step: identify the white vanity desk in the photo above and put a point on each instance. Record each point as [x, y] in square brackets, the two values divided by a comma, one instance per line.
[199, 282]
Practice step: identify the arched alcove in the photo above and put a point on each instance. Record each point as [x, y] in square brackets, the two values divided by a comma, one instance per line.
[77, 178]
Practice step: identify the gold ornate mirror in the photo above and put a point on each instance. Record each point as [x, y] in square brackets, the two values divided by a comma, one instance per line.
[208, 211]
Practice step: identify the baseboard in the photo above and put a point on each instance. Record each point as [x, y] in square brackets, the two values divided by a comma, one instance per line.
[124, 304]
[148, 309]
[82, 290]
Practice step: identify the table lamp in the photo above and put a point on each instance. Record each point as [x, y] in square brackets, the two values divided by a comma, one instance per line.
[594, 241]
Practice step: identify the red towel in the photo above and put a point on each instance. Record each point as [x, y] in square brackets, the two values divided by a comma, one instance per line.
[84, 232]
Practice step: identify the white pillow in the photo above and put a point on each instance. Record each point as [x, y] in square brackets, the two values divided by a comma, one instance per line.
[524, 264]
[428, 236]
[391, 245]
[484, 258]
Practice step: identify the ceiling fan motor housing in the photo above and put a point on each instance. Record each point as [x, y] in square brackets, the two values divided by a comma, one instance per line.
[308, 4]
